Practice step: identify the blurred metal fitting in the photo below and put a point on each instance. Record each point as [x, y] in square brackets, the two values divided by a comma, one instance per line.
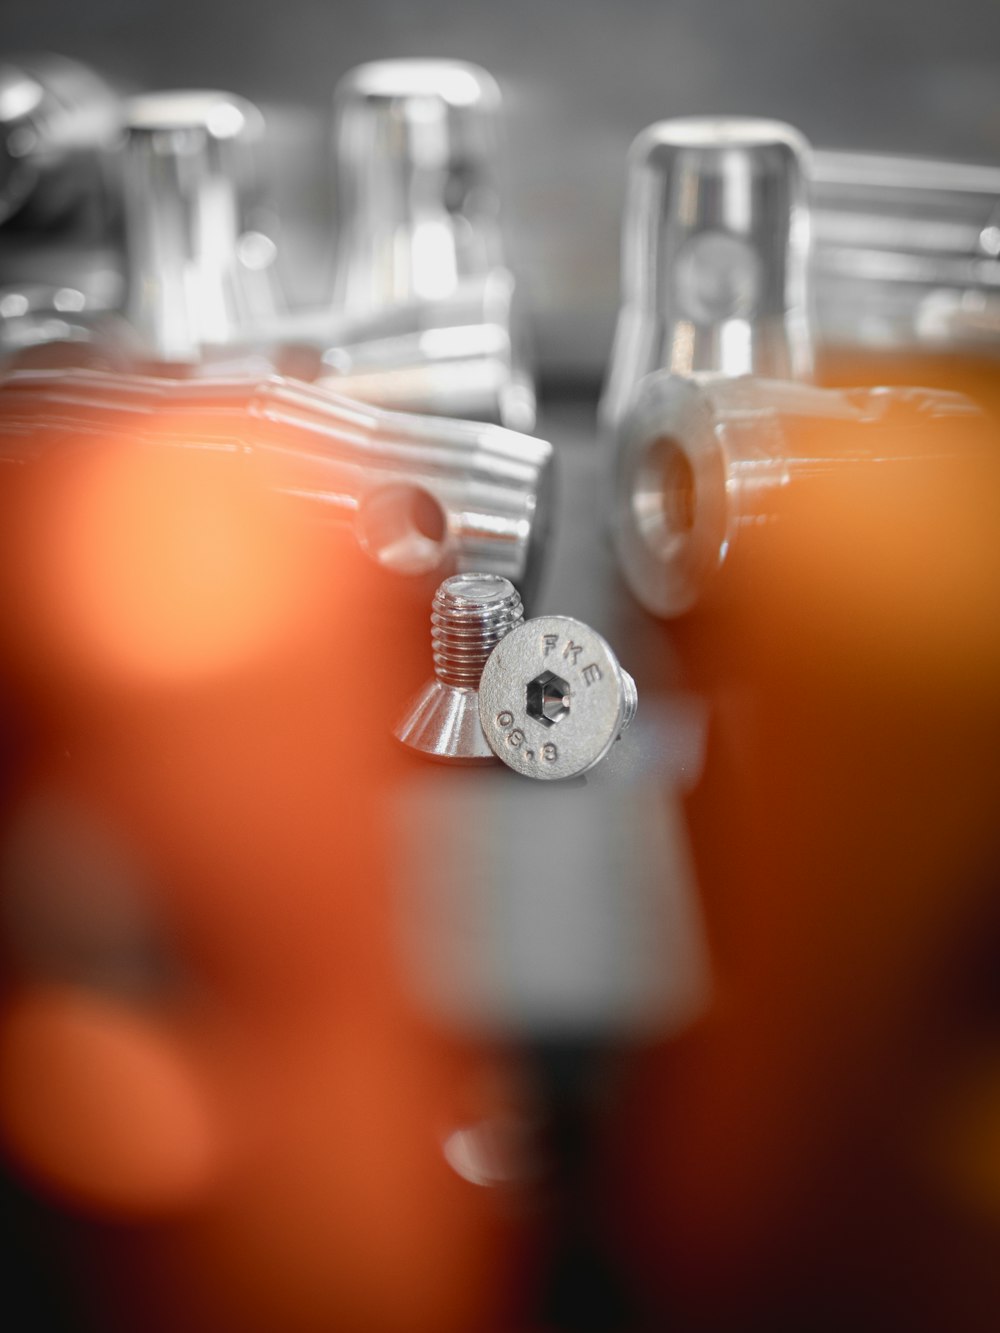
[419, 258]
[715, 247]
[907, 251]
[42, 324]
[415, 143]
[420, 494]
[57, 121]
[196, 277]
[553, 698]
[470, 615]
[35, 313]
[461, 357]
[700, 466]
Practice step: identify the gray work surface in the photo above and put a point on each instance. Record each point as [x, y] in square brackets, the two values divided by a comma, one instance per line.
[565, 909]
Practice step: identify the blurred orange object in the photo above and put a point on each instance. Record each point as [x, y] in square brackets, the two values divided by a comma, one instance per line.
[206, 1042]
[784, 1163]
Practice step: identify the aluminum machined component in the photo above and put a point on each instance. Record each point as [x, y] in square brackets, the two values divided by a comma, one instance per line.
[701, 465]
[420, 494]
[471, 614]
[715, 247]
[415, 143]
[453, 357]
[196, 279]
[553, 698]
[418, 242]
[907, 251]
[57, 119]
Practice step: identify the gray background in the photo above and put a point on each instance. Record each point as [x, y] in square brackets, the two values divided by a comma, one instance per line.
[581, 78]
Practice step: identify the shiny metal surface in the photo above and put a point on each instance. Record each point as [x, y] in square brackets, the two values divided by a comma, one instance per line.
[420, 494]
[553, 698]
[197, 279]
[56, 118]
[461, 356]
[907, 251]
[418, 232]
[471, 614]
[32, 314]
[414, 149]
[702, 464]
[715, 244]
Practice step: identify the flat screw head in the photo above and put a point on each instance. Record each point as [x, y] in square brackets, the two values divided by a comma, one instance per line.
[553, 698]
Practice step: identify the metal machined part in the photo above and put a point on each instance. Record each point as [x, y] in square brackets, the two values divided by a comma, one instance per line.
[715, 248]
[471, 614]
[419, 267]
[907, 251]
[57, 120]
[189, 173]
[553, 698]
[701, 465]
[420, 494]
[415, 147]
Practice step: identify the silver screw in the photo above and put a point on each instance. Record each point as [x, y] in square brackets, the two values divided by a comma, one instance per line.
[553, 698]
[471, 614]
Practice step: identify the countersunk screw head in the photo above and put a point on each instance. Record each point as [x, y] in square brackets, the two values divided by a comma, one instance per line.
[470, 615]
[553, 698]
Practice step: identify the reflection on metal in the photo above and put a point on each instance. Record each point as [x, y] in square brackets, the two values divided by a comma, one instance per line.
[715, 243]
[415, 143]
[496, 1152]
[458, 356]
[197, 279]
[421, 494]
[415, 146]
[701, 464]
[471, 614]
[56, 118]
[907, 251]
[44, 325]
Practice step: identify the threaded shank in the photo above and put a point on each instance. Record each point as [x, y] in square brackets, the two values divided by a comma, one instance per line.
[470, 615]
[631, 700]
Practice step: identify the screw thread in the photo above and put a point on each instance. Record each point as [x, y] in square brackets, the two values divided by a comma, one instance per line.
[470, 615]
[631, 700]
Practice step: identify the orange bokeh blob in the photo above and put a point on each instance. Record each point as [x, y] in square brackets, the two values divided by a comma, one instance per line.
[159, 563]
[104, 1105]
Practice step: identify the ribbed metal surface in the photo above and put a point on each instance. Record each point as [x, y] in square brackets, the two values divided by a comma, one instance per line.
[471, 613]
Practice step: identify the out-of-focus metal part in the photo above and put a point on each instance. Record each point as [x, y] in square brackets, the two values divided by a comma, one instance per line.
[197, 279]
[553, 698]
[907, 251]
[471, 614]
[454, 357]
[715, 246]
[35, 313]
[415, 147]
[460, 357]
[42, 324]
[421, 494]
[57, 119]
[701, 465]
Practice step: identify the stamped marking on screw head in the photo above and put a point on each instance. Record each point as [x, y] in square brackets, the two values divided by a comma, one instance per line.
[553, 698]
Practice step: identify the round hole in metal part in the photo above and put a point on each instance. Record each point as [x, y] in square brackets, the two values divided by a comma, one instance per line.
[403, 527]
[663, 496]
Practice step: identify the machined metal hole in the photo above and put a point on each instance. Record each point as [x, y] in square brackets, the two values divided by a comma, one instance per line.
[664, 496]
[404, 528]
